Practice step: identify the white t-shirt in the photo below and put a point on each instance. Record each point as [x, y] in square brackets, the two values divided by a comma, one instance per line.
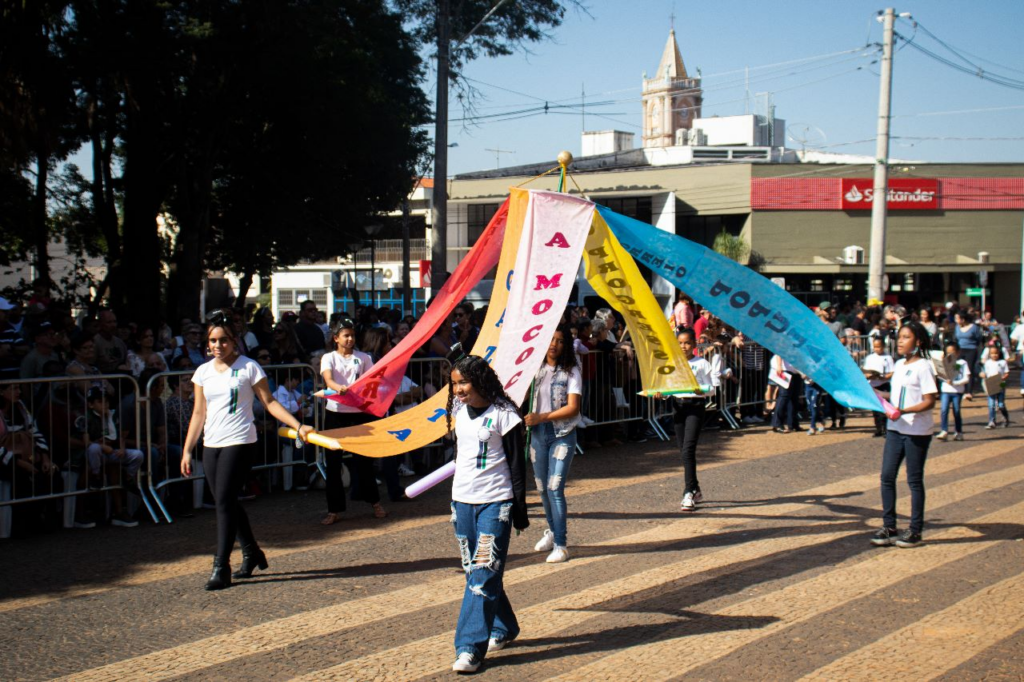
[345, 369]
[1018, 336]
[706, 374]
[406, 386]
[995, 368]
[288, 399]
[229, 395]
[882, 364]
[910, 384]
[542, 387]
[959, 383]
[482, 474]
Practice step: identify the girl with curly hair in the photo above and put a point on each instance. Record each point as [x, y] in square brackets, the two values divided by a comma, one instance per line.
[488, 500]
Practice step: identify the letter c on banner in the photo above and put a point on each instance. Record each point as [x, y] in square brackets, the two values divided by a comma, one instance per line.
[532, 332]
[541, 307]
[514, 379]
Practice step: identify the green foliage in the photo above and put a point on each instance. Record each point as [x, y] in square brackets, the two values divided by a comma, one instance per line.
[731, 247]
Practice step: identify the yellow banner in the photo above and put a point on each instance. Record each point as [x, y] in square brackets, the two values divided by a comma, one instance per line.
[615, 277]
[426, 422]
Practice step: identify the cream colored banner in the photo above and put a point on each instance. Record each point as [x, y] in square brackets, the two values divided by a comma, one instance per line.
[615, 277]
[426, 422]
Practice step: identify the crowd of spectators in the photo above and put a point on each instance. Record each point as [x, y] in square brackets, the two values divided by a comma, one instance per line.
[82, 433]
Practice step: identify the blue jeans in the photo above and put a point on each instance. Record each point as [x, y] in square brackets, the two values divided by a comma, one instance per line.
[551, 458]
[483, 532]
[997, 401]
[914, 449]
[811, 394]
[953, 399]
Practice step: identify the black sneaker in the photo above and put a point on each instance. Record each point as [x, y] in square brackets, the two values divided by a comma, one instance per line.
[884, 537]
[908, 539]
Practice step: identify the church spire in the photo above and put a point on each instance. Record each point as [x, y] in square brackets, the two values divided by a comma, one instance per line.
[671, 65]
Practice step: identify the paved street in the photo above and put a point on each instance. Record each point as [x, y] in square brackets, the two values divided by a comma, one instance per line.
[773, 579]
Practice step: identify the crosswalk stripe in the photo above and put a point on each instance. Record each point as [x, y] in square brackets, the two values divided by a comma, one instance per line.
[942, 640]
[793, 604]
[549, 618]
[283, 632]
[144, 573]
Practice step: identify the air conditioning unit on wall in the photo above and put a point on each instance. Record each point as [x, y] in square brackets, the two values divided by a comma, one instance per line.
[853, 255]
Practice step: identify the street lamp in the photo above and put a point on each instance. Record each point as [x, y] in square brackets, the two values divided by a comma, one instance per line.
[372, 231]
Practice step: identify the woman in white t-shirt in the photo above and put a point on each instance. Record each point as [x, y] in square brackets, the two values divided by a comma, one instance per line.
[488, 500]
[555, 403]
[912, 392]
[340, 369]
[225, 388]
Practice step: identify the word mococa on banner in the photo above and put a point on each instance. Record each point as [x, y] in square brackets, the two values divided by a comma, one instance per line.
[905, 194]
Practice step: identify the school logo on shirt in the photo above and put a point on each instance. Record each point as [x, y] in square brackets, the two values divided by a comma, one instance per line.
[233, 401]
[484, 436]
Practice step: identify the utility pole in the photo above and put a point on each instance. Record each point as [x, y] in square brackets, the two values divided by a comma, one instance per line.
[406, 258]
[879, 210]
[439, 219]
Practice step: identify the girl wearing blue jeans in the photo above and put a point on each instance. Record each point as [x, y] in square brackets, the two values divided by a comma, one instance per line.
[488, 500]
[557, 389]
[952, 393]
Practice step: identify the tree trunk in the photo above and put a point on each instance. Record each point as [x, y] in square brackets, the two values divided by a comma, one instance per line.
[244, 285]
[40, 226]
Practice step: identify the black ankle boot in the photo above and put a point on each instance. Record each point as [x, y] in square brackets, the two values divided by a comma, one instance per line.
[221, 577]
[252, 558]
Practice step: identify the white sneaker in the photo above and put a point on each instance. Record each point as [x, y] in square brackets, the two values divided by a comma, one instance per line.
[495, 644]
[991, 425]
[546, 542]
[558, 555]
[698, 497]
[466, 663]
[688, 504]
[958, 436]
[405, 471]
[941, 435]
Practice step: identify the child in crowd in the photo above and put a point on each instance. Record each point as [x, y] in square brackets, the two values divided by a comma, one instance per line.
[812, 394]
[913, 392]
[488, 500]
[995, 366]
[953, 393]
[105, 448]
[881, 364]
[689, 418]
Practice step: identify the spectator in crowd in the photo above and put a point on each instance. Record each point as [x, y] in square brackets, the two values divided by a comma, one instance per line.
[178, 408]
[925, 318]
[12, 347]
[106, 451]
[262, 327]
[111, 350]
[970, 339]
[285, 350]
[463, 329]
[307, 330]
[193, 346]
[84, 350]
[987, 321]
[859, 322]
[143, 352]
[785, 419]
[25, 460]
[701, 323]
[43, 351]
[682, 313]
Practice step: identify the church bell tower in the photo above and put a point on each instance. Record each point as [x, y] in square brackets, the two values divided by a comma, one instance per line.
[671, 100]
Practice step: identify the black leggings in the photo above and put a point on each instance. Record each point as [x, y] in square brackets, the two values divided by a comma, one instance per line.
[226, 470]
[689, 420]
[364, 480]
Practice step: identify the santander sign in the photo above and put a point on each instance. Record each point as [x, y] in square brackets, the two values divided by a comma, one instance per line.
[905, 194]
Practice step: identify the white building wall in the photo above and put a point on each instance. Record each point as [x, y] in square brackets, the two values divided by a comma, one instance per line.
[663, 215]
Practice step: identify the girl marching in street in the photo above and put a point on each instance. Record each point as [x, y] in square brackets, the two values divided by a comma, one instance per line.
[912, 392]
[557, 392]
[689, 418]
[225, 388]
[952, 393]
[995, 366]
[340, 368]
[488, 500]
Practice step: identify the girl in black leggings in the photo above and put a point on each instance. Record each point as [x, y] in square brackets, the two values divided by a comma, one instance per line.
[225, 388]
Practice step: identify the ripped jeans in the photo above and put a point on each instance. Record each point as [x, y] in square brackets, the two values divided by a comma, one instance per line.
[551, 458]
[483, 532]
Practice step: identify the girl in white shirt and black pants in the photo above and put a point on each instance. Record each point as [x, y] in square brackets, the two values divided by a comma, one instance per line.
[912, 392]
[225, 387]
[488, 500]
[689, 418]
[340, 368]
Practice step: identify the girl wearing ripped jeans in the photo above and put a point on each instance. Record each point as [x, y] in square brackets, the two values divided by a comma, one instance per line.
[488, 500]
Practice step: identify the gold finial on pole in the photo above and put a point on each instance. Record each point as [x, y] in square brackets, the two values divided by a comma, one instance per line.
[564, 158]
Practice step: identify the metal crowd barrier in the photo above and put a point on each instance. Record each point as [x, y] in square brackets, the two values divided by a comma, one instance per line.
[49, 464]
[167, 420]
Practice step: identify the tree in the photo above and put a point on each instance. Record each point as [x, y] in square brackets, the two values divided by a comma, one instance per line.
[731, 247]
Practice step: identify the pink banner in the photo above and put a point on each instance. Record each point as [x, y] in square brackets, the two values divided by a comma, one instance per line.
[376, 389]
[554, 234]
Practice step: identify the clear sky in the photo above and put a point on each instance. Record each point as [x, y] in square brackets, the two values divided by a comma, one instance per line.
[829, 101]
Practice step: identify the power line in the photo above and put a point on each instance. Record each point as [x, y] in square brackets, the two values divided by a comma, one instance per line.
[983, 75]
[958, 111]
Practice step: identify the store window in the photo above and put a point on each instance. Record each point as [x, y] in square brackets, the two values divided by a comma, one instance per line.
[477, 217]
[817, 285]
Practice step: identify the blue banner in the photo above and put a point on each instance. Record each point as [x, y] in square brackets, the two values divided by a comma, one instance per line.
[752, 304]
